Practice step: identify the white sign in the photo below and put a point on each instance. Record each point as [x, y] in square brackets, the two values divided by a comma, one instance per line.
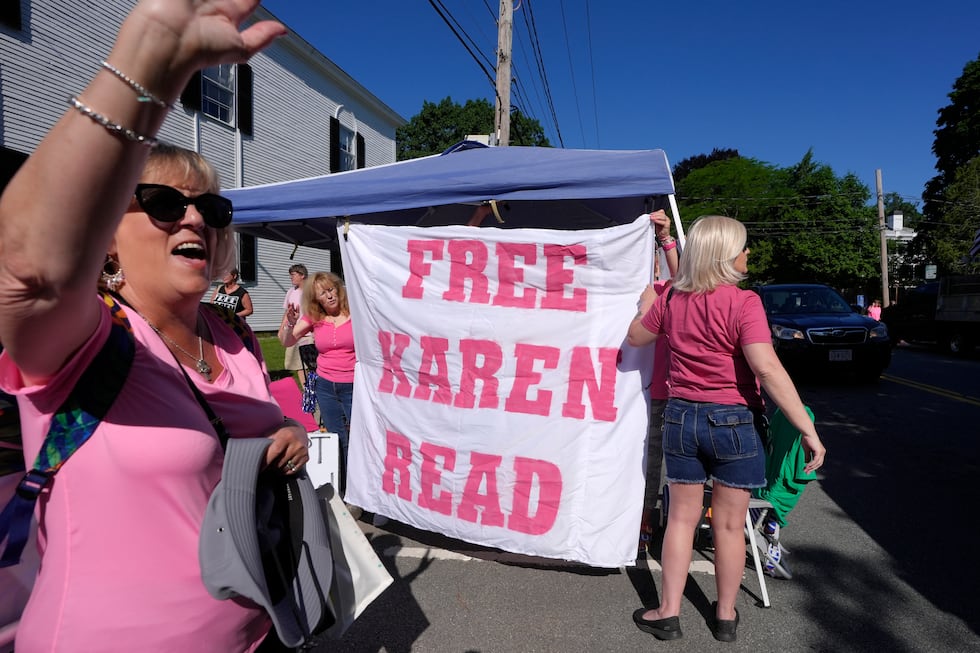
[495, 398]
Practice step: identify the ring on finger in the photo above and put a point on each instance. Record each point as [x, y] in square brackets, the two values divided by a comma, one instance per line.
[290, 465]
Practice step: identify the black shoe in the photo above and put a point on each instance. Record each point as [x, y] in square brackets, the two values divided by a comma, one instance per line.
[723, 629]
[667, 628]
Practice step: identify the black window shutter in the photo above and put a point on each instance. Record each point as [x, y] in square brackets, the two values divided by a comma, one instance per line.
[10, 14]
[244, 99]
[191, 97]
[334, 145]
[361, 155]
[247, 258]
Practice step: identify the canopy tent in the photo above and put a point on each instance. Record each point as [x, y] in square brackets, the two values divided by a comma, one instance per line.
[527, 187]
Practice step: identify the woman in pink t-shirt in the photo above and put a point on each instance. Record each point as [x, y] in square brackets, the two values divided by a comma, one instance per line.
[119, 523]
[667, 245]
[326, 312]
[720, 350]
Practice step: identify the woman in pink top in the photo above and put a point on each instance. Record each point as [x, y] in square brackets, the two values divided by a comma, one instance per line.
[658, 384]
[720, 350]
[327, 315]
[119, 523]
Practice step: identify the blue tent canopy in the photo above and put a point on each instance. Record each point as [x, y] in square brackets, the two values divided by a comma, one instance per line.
[530, 186]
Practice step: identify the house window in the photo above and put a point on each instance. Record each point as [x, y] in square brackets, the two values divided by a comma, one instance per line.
[247, 258]
[10, 14]
[218, 93]
[348, 149]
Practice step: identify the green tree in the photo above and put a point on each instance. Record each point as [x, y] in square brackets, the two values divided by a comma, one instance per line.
[692, 163]
[953, 238]
[439, 126]
[804, 222]
[957, 142]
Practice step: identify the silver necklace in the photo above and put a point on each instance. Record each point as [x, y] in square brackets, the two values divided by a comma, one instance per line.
[200, 364]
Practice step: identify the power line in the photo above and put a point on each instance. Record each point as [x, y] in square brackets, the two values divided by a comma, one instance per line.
[571, 69]
[460, 38]
[536, 46]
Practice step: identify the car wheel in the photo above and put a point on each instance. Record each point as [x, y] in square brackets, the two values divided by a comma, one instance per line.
[958, 344]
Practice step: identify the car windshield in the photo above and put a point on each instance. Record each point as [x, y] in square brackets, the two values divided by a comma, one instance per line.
[804, 301]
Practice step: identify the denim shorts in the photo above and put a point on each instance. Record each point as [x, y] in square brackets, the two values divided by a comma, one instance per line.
[716, 440]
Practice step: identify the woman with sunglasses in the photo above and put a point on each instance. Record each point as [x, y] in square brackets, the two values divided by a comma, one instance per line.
[720, 351]
[119, 523]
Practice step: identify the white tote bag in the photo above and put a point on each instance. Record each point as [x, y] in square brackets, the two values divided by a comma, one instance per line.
[359, 576]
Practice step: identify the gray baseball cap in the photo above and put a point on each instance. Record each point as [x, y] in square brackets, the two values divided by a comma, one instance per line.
[265, 538]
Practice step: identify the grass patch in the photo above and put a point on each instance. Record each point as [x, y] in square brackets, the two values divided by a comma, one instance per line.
[274, 354]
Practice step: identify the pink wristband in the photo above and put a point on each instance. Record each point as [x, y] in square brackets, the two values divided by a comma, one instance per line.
[669, 245]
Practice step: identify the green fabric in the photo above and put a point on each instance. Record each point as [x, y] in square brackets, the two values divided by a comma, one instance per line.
[785, 460]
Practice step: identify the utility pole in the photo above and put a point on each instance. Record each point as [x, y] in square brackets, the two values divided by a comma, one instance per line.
[505, 33]
[884, 241]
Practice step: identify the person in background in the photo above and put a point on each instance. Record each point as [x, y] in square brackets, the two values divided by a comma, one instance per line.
[292, 360]
[326, 313]
[720, 351]
[658, 384]
[119, 526]
[232, 296]
[875, 310]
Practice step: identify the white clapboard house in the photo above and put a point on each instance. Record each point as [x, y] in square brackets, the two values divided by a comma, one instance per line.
[289, 113]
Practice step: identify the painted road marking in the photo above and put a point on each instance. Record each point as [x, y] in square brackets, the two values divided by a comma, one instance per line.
[942, 392]
[419, 552]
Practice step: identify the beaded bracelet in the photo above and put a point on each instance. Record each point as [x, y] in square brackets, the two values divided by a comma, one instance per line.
[113, 128]
[143, 94]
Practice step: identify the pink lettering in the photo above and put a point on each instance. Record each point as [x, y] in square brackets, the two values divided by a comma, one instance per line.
[525, 377]
[482, 466]
[398, 459]
[510, 275]
[549, 496]
[481, 362]
[434, 355]
[468, 262]
[418, 268]
[432, 477]
[602, 392]
[559, 276]
[393, 346]
[537, 490]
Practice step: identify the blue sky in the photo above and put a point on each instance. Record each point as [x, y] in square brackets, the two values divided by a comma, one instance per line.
[859, 82]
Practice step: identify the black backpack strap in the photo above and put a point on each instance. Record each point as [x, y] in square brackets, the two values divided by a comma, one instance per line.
[71, 426]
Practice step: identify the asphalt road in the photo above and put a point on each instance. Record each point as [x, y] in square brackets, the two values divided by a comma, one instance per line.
[881, 550]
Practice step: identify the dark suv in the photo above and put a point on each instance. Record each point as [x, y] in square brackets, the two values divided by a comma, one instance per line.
[815, 329]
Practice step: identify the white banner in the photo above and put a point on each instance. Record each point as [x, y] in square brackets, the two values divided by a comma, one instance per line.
[495, 398]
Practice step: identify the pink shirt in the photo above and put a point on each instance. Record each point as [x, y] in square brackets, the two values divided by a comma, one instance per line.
[661, 354]
[335, 345]
[120, 522]
[875, 312]
[705, 333]
[294, 296]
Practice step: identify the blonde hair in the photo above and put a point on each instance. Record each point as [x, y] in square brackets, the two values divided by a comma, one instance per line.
[713, 244]
[166, 160]
[317, 280]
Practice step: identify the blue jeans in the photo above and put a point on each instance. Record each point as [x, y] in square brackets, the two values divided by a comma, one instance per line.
[716, 439]
[335, 401]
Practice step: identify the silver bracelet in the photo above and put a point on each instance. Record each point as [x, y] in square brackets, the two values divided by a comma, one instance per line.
[143, 94]
[113, 128]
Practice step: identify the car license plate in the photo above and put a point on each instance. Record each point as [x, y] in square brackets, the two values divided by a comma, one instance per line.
[840, 354]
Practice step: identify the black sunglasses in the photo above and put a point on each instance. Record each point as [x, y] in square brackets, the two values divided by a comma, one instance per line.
[168, 204]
